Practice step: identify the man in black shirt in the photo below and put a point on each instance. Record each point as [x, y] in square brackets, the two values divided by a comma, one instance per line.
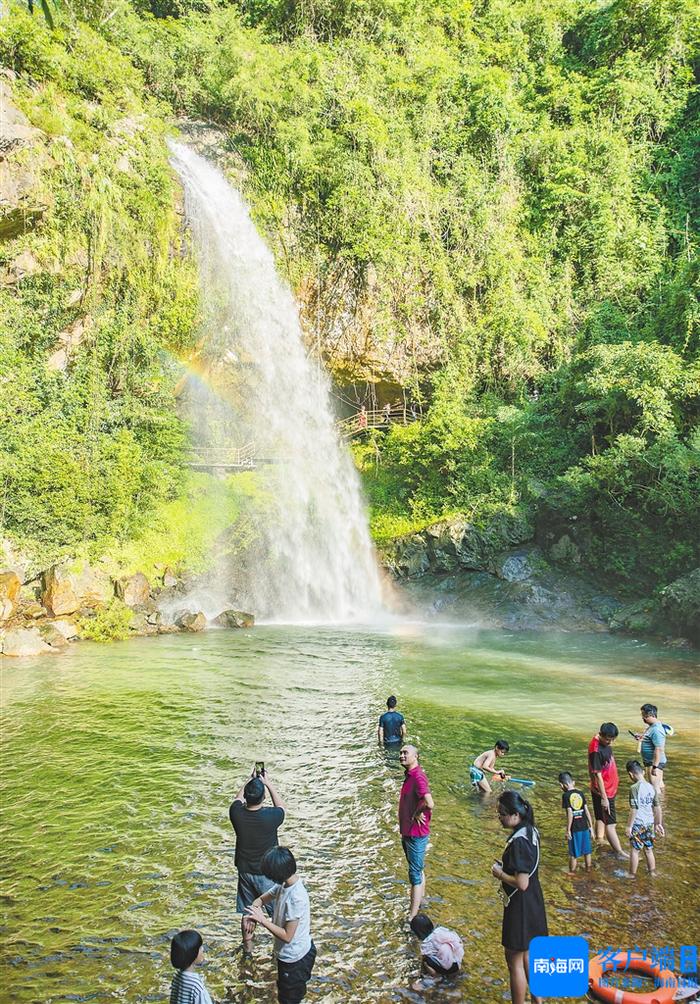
[391, 724]
[256, 828]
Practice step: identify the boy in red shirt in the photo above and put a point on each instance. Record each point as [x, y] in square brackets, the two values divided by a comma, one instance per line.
[415, 809]
[604, 783]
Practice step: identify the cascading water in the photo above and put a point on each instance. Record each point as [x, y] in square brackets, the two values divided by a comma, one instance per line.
[316, 561]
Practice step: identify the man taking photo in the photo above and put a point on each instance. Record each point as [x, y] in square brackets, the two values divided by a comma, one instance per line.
[255, 825]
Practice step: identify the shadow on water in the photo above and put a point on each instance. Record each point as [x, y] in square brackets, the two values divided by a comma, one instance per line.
[119, 765]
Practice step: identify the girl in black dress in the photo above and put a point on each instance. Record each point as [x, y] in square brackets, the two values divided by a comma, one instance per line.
[524, 916]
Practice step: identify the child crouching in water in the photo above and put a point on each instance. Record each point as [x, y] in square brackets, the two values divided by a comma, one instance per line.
[442, 950]
[186, 952]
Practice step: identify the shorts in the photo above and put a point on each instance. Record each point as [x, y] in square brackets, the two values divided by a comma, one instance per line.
[475, 775]
[292, 977]
[580, 843]
[642, 836]
[659, 766]
[439, 970]
[414, 849]
[249, 888]
[607, 816]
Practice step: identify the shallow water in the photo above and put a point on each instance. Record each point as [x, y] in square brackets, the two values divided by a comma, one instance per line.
[119, 764]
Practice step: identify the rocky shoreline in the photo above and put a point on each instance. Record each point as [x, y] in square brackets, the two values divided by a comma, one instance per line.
[73, 600]
[511, 575]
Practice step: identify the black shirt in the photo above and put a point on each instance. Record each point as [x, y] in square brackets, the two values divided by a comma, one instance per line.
[256, 832]
[391, 722]
[576, 801]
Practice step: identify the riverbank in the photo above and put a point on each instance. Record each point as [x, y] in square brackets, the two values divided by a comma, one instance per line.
[507, 573]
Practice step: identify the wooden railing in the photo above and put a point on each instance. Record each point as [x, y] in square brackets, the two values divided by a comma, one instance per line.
[223, 458]
[378, 418]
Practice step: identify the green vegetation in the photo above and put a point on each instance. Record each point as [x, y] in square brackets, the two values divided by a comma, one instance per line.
[110, 623]
[493, 201]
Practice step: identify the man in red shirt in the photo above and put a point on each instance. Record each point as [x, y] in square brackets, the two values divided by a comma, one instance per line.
[415, 809]
[604, 783]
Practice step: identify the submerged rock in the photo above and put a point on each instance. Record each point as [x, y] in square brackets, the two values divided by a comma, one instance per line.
[10, 586]
[234, 619]
[191, 621]
[21, 642]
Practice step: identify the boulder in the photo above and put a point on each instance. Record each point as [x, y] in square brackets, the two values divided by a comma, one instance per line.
[10, 586]
[22, 642]
[191, 621]
[69, 587]
[170, 579]
[234, 619]
[516, 566]
[52, 636]
[34, 611]
[69, 629]
[134, 590]
[680, 602]
[141, 625]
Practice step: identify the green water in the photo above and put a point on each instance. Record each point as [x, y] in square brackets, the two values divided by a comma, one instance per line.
[119, 764]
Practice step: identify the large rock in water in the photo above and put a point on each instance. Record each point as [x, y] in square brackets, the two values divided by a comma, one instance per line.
[134, 590]
[9, 590]
[72, 586]
[680, 602]
[191, 622]
[23, 642]
[234, 619]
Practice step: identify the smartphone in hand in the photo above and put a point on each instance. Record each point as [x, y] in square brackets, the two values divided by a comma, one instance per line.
[259, 768]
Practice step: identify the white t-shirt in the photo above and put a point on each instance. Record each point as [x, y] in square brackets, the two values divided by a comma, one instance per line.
[643, 798]
[292, 903]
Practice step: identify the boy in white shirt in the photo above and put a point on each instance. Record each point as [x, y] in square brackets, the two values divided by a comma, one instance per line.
[290, 924]
[644, 818]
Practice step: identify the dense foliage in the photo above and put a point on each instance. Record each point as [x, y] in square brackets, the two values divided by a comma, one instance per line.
[493, 201]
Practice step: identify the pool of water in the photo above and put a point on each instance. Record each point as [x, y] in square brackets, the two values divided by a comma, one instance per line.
[119, 764]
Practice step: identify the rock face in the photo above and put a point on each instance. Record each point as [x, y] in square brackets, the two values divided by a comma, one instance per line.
[134, 590]
[680, 602]
[455, 544]
[23, 642]
[234, 619]
[19, 210]
[73, 586]
[9, 591]
[191, 622]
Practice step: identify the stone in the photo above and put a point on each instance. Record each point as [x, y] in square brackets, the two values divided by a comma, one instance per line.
[516, 566]
[170, 579]
[134, 590]
[234, 619]
[191, 621]
[141, 625]
[69, 587]
[22, 642]
[34, 610]
[10, 586]
[680, 603]
[52, 636]
[69, 629]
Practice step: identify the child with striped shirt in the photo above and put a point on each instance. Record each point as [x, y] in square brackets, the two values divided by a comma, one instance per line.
[186, 952]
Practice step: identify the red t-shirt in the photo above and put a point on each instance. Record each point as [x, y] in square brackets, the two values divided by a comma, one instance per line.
[415, 785]
[600, 758]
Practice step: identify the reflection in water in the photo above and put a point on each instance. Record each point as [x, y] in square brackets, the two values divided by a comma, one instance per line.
[120, 764]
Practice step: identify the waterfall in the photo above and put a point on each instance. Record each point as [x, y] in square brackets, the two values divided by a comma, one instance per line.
[315, 560]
